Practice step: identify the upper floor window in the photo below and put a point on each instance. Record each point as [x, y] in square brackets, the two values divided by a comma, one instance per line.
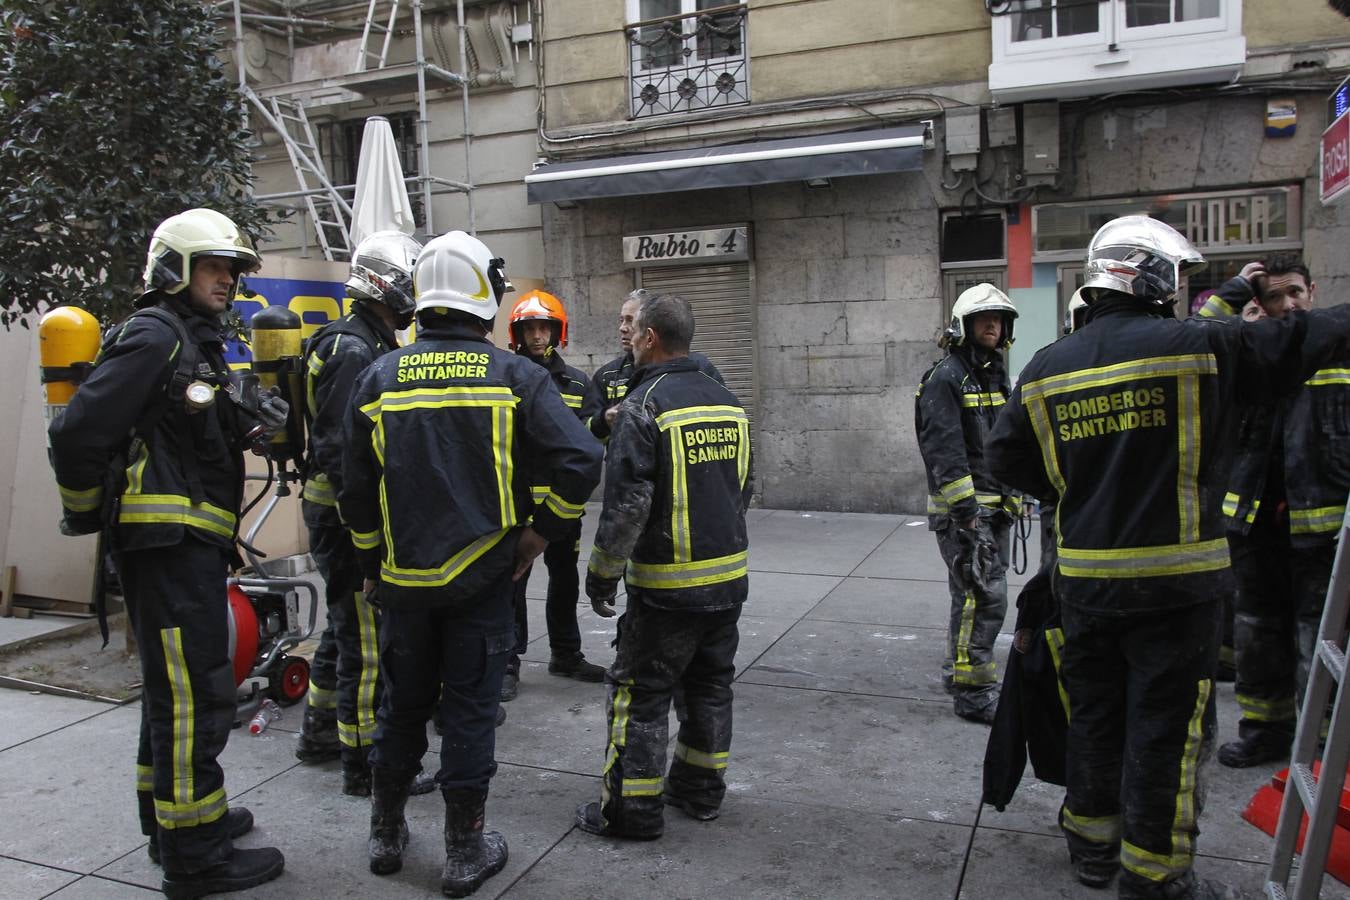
[1074, 48]
[686, 55]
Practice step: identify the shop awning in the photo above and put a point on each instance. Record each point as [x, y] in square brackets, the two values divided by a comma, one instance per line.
[897, 149]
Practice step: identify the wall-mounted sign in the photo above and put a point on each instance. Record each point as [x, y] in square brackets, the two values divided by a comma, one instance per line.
[1336, 159]
[1257, 220]
[731, 244]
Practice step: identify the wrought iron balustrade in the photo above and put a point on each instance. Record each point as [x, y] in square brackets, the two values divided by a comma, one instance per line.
[687, 62]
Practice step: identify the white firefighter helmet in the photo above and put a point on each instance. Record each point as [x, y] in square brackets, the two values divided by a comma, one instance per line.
[179, 240]
[382, 267]
[1073, 314]
[983, 297]
[458, 271]
[1139, 256]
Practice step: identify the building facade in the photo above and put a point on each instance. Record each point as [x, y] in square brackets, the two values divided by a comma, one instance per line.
[821, 178]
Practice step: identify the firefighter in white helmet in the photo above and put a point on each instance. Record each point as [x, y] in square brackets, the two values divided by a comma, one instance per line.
[1128, 423]
[443, 438]
[150, 451]
[971, 512]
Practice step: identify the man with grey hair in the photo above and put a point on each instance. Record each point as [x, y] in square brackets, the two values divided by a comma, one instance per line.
[610, 383]
[673, 526]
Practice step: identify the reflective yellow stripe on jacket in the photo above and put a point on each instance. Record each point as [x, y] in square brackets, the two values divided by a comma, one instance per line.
[668, 576]
[977, 400]
[1319, 520]
[81, 501]
[1144, 562]
[171, 509]
[318, 489]
[447, 571]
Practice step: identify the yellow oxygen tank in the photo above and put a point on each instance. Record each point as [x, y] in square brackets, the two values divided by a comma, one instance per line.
[276, 362]
[68, 342]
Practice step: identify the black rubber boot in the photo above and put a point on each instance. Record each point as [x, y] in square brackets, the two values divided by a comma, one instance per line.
[510, 686]
[318, 741]
[472, 856]
[356, 772]
[574, 665]
[238, 822]
[388, 828]
[1255, 749]
[243, 870]
[700, 811]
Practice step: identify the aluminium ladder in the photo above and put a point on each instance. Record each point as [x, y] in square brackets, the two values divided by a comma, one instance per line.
[1320, 795]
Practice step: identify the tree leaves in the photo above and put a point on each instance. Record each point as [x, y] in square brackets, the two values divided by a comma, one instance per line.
[114, 115]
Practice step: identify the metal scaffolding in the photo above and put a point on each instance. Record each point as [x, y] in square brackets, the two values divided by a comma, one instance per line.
[373, 74]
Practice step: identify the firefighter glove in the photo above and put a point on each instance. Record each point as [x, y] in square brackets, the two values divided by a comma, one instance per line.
[602, 592]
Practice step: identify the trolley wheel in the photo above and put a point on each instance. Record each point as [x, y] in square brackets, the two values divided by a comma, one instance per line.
[289, 683]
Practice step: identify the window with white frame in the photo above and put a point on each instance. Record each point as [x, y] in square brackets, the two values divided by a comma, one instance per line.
[1070, 48]
[686, 55]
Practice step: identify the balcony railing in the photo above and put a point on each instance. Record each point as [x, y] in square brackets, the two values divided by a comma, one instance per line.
[688, 62]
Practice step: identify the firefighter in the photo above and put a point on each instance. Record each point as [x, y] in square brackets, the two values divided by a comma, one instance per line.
[610, 384]
[344, 682]
[538, 329]
[1125, 423]
[971, 512]
[1284, 506]
[169, 501]
[677, 486]
[442, 437]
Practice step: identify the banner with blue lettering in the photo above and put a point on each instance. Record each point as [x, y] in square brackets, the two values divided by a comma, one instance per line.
[315, 302]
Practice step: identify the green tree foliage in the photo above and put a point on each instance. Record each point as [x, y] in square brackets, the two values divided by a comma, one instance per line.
[114, 115]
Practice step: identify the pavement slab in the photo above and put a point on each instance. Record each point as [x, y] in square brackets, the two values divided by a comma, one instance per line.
[849, 776]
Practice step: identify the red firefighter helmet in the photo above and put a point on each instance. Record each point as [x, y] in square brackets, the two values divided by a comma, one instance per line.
[540, 306]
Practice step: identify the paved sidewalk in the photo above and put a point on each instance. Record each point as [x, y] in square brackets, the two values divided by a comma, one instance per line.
[850, 777]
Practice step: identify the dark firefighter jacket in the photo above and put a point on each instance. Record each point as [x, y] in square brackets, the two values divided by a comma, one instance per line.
[954, 409]
[575, 389]
[1125, 423]
[610, 385]
[676, 489]
[336, 354]
[442, 436]
[186, 474]
[1293, 451]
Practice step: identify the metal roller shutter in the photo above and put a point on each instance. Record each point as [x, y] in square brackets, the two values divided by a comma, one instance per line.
[724, 317]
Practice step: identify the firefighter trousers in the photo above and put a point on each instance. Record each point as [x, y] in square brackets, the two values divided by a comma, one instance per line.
[455, 652]
[1281, 592]
[560, 609]
[658, 650]
[355, 626]
[977, 614]
[175, 599]
[1141, 723]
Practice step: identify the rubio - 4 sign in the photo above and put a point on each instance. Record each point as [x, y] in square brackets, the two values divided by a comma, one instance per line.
[1336, 159]
[674, 247]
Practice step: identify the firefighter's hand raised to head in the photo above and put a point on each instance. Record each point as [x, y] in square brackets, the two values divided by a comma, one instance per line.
[531, 544]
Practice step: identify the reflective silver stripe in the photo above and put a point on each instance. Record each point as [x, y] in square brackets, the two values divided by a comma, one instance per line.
[978, 399]
[319, 490]
[680, 539]
[956, 491]
[173, 509]
[1150, 367]
[641, 787]
[690, 415]
[81, 501]
[701, 758]
[145, 778]
[1315, 521]
[1329, 376]
[365, 540]
[434, 398]
[1188, 460]
[1098, 829]
[605, 564]
[689, 574]
[181, 706]
[321, 698]
[447, 571]
[1142, 562]
[187, 815]
[573, 401]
